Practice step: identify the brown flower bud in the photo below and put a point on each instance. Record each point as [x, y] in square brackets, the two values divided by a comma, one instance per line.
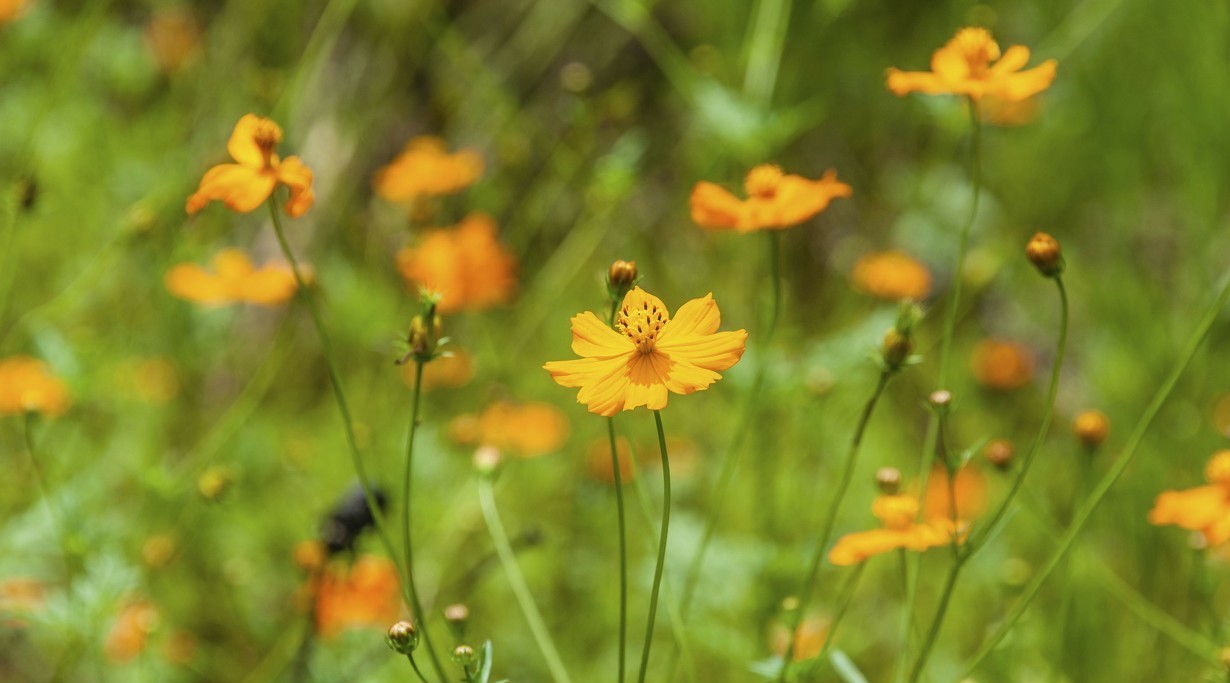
[999, 452]
[1044, 252]
[402, 638]
[896, 348]
[463, 655]
[622, 274]
[1091, 427]
[888, 479]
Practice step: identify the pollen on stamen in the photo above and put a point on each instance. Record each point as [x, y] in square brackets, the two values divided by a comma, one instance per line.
[762, 181]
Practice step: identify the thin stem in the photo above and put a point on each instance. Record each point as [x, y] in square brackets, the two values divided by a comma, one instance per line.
[1109, 479]
[414, 665]
[623, 532]
[57, 519]
[415, 603]
[521, 590]
[830, 519]
[666, 523]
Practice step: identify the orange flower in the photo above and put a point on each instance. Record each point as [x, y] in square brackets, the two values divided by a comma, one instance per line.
[775, 200]
[649, 356]
[809, 638]
[246, 185]
[598, 460]
[365, 594]
[130, 633]
[1007, 113]
[1205, 508]
[11, 9]
[172, 38]
[26, 386]
[896, 512]
[1002, 364]
[891, 275]
[525, 429]
[235, 281]
[19, 597]
[963, 67]
[970, 487]
[425, 168]
[466, 264]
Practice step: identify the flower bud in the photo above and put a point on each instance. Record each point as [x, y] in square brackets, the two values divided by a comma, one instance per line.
[999, 452]
[402, 638]
[896, 348]
[622, 274]
[487, 459]
[940, 399]
[457, 616]
[464, 655]
[1091, 427]
[888, 479]
[1044, 252]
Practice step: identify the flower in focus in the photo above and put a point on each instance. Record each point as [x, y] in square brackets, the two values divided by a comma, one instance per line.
[245, 185]
[775, 200]
[425, 168]
[650, 356]
[27, 386]
[466, 264]
[896, 512]
[526, 429]
[450, 369]
[969, 489]
[130, 632]
[892, 276]
[234, 280]
[364, 594]
[1002, 364]
[964, 67]
[1205, 509]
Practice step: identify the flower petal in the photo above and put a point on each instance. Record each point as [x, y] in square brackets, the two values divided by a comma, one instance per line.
[293, 173]
[242, 145]
[696, 317]
[905, 82]
[1022, 85]
[193, 283]
[268, 286]
[714, 352]
[713, 206]
[241, 188]
[646, 386]
[603, 381]
[595, 339]
[854, 548]
[1193, 509]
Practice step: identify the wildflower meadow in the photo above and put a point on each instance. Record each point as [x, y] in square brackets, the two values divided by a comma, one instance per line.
[614, 341]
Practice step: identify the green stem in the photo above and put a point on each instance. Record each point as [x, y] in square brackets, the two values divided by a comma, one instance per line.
[407, 548]
[57, 519]
[666, 523]
[1109, 479]
[775, 275]
[843, 606]
[516, 579]
[830, 519]
[414, 665]
[623, 532]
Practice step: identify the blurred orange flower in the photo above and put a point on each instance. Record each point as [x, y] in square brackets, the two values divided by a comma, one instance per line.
[809, 638]
[891, 275]
[969, 487]
[235, 280]
[172, 38]
[245, 185]
[27, 386]
[425, 168]
[453, 369]
[364, 594]
[775, 200]
[598, 460]
[963, 67]
[11, 9]
[1204, 508]
[466, 264]
[1002, 364]
[896, 513]
[649, 356]
[130, 632]
[19, 597]
[525, 429]
[1007, 113]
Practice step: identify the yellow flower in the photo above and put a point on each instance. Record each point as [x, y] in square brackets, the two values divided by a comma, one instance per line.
[896, 512]
[963, 67]
[1205, 508]
[27, 386]
[466, 265]
[526, 429]
[366, 594]
[235, 280]
[425, 168]
[891, 275]
[245, 185]
[775, 200]
[650, 356]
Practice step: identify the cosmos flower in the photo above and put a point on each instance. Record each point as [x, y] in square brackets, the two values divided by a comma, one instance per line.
[425, 168]
[245, 185]
[1204, 508]
[964, 67]
[650, 356]
[364, 594]
[897, 513]
[527, 429]
[892, 276]
[775, 200]
[465, 264]
[233, 280]
[27, 386]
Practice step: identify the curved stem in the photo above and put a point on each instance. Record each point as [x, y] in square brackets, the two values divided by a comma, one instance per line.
[666, 523]
[407, 549]
[414, 665]
[623, 532]
[516, 579]
[830, 519]
[1108, 480]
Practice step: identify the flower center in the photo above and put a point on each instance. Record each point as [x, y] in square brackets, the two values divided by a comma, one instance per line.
[895, 511]
[978, 48]
[267, 135]
[762, 181]
[642, 323]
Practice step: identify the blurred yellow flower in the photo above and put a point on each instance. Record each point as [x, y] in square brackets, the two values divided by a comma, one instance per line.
[526, 429]
[964, 67]
[1002, 364]
[969, 487]
[891, 275]
[775, 200]
[425, 168]
[11, 9]
[130, 632]
[453, 369]
[465, 264]
[364, 594]
[809, 638]
[649, 356]
[245, 185]
[896, 512]
[1205, 509]
[27, 386]
[234, 280]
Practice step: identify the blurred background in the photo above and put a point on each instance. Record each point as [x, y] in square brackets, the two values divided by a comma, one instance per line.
[203, 447]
